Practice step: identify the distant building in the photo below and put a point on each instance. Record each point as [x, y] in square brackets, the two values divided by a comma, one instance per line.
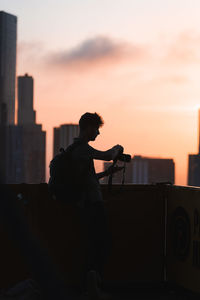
[63, 136]
[145, 170]
[194, 164]
[27, 140]
[25, 143]
[8, 39]
[34, 150]
[152, 170]
[26, 114]
[25, 154]
[194, 170]
[14, 172]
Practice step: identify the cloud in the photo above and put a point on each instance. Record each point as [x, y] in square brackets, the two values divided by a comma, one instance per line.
[183, 49]
[94, 51]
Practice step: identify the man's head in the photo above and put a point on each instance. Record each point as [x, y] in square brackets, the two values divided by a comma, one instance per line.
[89, 125]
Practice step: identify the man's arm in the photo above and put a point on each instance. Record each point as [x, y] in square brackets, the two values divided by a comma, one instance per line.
[101, 174]
[110, 154]
[110, 170]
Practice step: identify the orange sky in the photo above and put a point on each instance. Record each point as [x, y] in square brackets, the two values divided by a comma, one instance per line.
[138, 65]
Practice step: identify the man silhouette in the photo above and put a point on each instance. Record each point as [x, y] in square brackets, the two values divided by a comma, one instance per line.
[78, 181]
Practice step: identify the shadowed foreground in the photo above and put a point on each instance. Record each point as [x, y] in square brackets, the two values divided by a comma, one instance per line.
[155, 240]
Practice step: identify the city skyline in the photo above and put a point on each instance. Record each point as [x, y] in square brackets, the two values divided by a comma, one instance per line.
[128, 63]
[23, 142]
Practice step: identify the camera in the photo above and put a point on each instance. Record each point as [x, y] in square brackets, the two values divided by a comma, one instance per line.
[124, 157]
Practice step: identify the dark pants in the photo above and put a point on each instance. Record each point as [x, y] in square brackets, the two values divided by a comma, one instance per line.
[96, 227]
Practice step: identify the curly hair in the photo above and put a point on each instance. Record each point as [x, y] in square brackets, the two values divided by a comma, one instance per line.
[90, 120]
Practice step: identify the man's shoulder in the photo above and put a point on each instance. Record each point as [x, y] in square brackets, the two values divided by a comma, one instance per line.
[81, 148]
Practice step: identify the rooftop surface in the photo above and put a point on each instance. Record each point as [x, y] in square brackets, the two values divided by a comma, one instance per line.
[155, 233]
[160, 293]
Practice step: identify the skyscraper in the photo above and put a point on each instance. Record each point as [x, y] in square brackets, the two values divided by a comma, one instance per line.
[64, 136]
[26, 142]
[8, 40]
[194, 164]
[26, 114]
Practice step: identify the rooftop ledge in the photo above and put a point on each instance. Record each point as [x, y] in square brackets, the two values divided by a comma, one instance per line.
[155, 237]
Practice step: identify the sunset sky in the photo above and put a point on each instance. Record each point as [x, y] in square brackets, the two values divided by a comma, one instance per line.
[137, 63]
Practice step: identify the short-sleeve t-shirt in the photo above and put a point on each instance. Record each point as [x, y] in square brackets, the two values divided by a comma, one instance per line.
[83, 156]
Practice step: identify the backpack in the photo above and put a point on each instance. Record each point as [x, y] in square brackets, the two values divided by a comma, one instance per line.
[64, 183]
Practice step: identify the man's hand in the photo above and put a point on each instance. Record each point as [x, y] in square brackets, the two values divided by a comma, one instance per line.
[110, 170]
[117, 150]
